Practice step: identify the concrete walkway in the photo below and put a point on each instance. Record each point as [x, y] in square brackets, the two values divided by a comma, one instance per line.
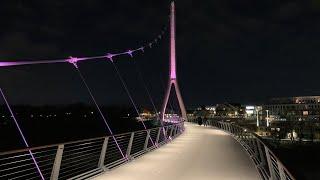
[198, 154]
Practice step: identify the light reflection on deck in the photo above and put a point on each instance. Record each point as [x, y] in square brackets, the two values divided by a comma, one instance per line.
[200, 153]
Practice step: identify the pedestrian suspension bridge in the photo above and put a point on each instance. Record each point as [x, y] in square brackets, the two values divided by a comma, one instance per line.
[178, 149]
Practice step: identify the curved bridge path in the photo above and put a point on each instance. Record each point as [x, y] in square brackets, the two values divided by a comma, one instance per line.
[201, 153]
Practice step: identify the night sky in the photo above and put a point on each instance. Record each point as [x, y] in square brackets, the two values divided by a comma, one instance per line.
[227, 50]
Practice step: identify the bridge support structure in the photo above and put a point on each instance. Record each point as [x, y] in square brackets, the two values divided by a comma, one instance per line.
[173, 83]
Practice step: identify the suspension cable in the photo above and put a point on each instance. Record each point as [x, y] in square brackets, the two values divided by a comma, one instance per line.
[129, 52]
[21, 133]
[98, 108]
[129, 95]
[146, 88]
[150, 97]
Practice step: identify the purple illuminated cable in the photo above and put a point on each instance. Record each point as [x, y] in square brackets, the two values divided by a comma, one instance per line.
[98, 108]
[150, 97]
[147, 90]
[19, 63]
[21, 134]
[129, 95]
[32, 62]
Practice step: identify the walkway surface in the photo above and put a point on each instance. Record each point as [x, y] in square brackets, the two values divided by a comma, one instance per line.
[200, 153]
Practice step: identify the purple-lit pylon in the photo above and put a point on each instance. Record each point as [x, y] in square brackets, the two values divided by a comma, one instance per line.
[173, 76]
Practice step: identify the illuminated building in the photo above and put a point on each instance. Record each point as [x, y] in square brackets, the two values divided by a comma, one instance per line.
[294, 108]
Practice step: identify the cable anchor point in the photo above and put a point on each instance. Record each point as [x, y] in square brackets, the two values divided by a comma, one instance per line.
[130, 53]
[142, 49]
[110, 56]
[73, 60]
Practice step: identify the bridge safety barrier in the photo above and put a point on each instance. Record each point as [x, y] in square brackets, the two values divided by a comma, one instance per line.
[266, 162]
[85, 158]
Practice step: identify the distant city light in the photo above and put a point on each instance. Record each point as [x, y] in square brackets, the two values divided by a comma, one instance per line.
[250, 107]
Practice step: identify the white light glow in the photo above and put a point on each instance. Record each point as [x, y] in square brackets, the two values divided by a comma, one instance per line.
[200, 153]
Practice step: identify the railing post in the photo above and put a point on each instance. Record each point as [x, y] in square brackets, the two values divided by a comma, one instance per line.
[255, 146]
[240, 130]
[250, 141]
[147, 140]
[262, 158]
[271, 170]
[103, 153]
[281, 171]
[130, 145]
[171, 130]
[166, 131]
[57, 163]
[176, 130]
[158, 135]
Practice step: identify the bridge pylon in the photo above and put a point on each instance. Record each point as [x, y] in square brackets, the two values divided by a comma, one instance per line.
[173, 82]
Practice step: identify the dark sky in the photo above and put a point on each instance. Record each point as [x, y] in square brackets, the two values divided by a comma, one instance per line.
[227, 50]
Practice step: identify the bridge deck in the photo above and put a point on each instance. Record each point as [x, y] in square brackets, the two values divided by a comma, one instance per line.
[200, 153]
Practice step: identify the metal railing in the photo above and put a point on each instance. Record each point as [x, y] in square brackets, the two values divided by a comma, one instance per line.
[85, 158]
[267, 163]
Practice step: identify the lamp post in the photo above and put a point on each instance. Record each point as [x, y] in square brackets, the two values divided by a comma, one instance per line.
[257, 110]
[267, 118]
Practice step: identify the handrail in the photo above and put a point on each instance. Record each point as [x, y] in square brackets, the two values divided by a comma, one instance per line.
[76, 141]
[278, 160]
[268, 164]
[85, 158]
